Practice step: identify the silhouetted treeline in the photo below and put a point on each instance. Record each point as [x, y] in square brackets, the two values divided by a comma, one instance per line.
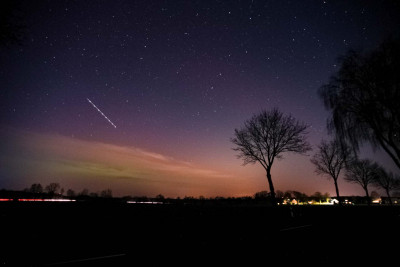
[363, 100]
[54, 191]
[262, 198]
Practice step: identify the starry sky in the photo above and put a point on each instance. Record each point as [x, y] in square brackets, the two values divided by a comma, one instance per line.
[175, 78]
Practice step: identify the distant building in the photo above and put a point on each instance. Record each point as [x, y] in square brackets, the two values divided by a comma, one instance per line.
[395, 200]
[346, 200]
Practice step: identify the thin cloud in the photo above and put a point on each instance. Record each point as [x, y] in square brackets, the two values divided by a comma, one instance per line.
[53, 156]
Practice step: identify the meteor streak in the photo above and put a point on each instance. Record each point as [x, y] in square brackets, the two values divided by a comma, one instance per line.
[101, 113]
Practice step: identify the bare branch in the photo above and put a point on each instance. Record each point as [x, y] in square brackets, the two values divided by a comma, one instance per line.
[363, 98]
[267, 136]
[362, 172]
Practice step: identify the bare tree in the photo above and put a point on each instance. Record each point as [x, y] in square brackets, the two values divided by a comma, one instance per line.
[93, 194]
[36, 188]
[299, 196]
[71, 193]
[330, 159]
[261, 195]
[326, 196]
[387, 181]
[362, 172]
[288, 195]
[106, 193]
[266, 136]
[52, 188]
[317, 196]
[279, 194]
[84, 192]
[364, 99]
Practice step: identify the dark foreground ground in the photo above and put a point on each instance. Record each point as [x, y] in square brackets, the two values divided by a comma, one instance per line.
[90, 234]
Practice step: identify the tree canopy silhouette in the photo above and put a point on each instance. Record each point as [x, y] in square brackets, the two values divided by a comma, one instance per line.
[364, 96]
[71, 193]
[52, 188]
[330, 159]
[362, 172]
[107, 193]
[266, 136]
[36, 188]
[386, 181]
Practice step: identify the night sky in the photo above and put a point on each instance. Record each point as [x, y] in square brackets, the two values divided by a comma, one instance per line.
[175, 78]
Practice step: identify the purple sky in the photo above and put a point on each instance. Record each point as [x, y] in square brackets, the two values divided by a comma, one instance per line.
[176, 78]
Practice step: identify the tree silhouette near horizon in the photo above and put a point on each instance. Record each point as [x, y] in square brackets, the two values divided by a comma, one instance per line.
[330, 160]
[36, 188]
[52, 188]
[362, 172]
[364, 96]
[386, 181]
[107, 193]
[266, 136]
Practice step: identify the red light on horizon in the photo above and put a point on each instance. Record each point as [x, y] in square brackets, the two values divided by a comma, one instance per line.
[47, 199]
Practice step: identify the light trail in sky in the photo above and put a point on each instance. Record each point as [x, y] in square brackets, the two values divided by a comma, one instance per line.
[101, 113]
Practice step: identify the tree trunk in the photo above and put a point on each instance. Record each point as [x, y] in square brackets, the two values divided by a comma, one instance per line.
[271, 187]
[368, 199]
[390, 199]
[337, 192]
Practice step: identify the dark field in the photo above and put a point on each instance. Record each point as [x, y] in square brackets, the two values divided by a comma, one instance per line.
[114, 234]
